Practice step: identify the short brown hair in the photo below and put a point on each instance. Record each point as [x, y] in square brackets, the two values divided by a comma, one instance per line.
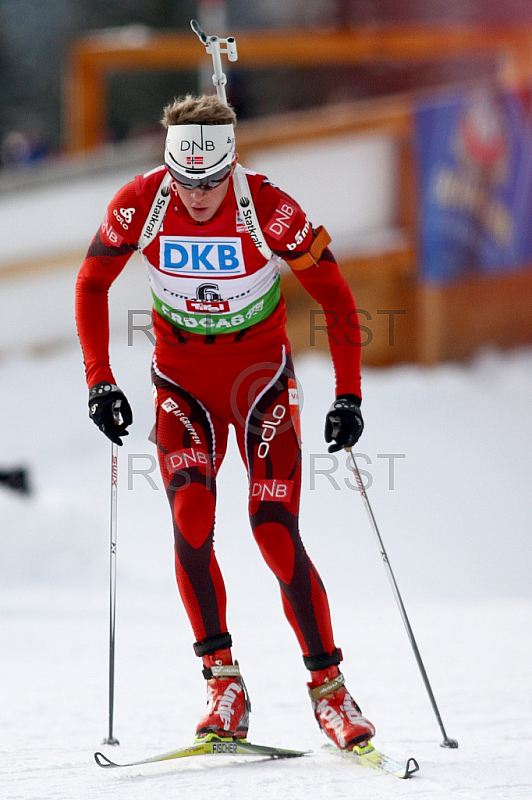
[203, 110]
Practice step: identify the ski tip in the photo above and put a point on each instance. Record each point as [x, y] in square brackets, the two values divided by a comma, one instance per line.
[103, 761]
[412, 766]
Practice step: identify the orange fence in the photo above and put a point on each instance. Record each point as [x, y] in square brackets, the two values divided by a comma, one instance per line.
[93, 57]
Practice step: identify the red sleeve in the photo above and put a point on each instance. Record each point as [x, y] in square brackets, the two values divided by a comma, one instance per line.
[290, 234]
[108, 254]
[326, 284]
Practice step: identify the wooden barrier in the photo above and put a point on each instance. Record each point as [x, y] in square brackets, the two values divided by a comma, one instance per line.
[456, 320]
[385, 290]
[93, 57]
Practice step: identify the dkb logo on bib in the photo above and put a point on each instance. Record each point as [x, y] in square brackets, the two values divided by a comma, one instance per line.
[201, 255]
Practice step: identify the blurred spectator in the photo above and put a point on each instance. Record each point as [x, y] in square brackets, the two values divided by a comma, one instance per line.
[19, 148]
[16, 479]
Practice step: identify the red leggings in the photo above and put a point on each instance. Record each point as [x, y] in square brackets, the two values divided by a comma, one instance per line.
[194, 407]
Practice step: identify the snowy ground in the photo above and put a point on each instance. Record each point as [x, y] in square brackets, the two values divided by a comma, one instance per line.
[455, 517]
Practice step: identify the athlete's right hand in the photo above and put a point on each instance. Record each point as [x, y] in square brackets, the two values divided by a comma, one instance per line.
[110, 410]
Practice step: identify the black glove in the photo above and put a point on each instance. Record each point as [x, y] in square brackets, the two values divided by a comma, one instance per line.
[344, 423]
[110, 410]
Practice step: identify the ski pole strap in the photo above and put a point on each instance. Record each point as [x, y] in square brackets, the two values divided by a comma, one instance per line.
[320, 242]
[329, 687]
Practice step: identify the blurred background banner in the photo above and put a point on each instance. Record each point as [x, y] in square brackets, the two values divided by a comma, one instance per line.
[474, 155]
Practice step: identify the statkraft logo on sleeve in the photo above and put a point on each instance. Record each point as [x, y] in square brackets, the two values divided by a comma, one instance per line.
[201, 255]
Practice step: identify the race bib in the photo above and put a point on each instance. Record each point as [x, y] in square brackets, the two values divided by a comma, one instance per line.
[200, 255]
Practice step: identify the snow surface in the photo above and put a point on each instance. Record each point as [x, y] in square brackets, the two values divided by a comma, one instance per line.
[455, 516]
[456, 525]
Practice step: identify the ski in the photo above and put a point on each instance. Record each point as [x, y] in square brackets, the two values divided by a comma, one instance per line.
[213, 745]
[368, 756]
[210, 745]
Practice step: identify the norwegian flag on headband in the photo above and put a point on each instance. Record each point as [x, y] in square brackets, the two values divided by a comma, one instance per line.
[193, 161]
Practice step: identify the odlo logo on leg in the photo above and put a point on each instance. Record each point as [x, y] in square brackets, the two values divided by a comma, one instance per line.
[269, 429]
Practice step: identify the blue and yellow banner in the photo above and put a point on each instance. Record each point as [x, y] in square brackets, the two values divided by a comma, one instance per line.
[474, 150]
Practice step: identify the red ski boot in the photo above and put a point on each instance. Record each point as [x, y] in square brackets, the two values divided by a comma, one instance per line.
[337, 714]
[228, 703]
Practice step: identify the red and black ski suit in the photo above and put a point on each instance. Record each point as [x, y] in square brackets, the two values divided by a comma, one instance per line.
[222, 357]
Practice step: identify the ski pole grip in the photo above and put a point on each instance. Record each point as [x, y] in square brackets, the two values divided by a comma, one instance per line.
[336, 423]
[213, 45]
[197, 30]
[232, 54]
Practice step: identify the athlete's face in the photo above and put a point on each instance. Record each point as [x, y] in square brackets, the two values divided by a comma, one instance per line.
[200, 203]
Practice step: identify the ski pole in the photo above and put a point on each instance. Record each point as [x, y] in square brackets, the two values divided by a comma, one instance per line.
[451, 743]
[213, 45]
[112, 592]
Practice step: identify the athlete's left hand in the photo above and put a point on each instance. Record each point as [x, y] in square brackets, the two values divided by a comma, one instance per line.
[110, 410]
[344, 423]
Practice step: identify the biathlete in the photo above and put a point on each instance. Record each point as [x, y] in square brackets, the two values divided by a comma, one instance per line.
[212, 236]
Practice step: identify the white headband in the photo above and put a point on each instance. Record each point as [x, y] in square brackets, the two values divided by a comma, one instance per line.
[198, 151]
